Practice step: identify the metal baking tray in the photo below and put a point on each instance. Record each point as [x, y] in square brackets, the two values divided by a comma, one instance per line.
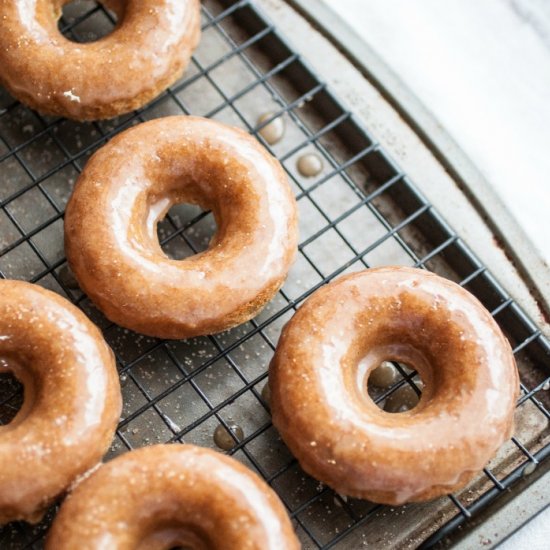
[360, 211]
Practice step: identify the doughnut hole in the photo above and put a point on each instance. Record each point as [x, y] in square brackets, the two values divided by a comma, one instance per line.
[393, 386]
[11, 394]
[186, 230]
[81, 21]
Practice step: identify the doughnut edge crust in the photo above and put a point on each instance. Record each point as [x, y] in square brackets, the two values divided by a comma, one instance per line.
[128, 186]
[101, 79]
[172, 495]
[72, 400]
[319, 372]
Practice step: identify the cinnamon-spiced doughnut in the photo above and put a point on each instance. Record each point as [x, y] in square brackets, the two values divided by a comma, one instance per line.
[169, 496]
[147, 51]
[318, 381]
[71, 404]
[129, 185]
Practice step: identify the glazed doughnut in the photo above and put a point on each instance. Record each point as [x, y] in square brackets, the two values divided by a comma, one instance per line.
[318, 381]
[169, 496]
[129, 185]
[148, 51]
[71, 404]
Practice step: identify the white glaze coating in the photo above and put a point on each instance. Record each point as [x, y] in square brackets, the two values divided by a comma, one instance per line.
[147, 51]
[168, 496]
[72, 399]
[127, 187]
[346, 329]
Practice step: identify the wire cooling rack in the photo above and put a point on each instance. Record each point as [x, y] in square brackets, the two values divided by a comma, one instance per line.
[360, 211]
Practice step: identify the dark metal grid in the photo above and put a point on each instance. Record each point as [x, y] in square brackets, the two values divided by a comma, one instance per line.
[372, 182]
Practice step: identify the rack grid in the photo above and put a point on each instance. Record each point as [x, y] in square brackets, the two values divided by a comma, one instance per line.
[361, 211]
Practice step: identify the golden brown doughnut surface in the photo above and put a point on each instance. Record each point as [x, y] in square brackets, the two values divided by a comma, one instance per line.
[71, 403]
[318, 380]
[148, 50]
[167, 496]
[129, 185]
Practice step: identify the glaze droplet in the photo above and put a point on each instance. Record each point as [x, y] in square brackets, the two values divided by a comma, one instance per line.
[272, 132]
[403, 399]
[309, 165]
[383, 376]
[223, 438]
[67, 277]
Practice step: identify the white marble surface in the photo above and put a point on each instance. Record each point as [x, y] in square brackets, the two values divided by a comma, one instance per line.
[483, 68]
[535, 535]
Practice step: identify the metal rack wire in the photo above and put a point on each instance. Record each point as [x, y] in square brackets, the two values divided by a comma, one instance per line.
[361, 211]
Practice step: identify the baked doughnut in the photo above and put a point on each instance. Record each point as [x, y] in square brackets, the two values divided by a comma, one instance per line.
[147, 52]
[71, 404]
[318, 381]
[129, 185]
[169, 496]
